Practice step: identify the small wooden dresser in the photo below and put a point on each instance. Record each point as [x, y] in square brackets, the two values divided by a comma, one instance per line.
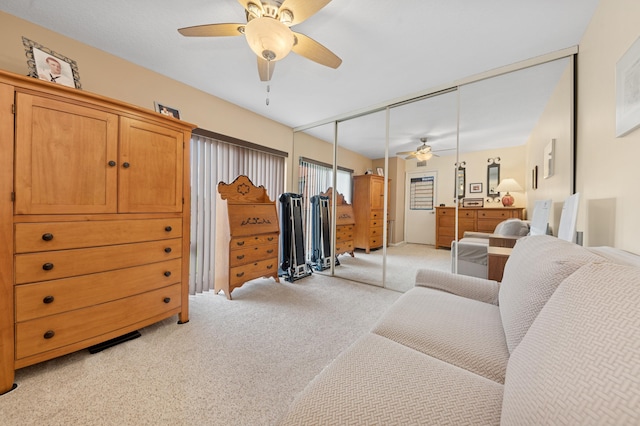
[481, 219]
[345, 223]
[247, 235]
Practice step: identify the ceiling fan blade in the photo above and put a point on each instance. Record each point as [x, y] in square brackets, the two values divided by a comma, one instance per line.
[265, 69]
[301, 9]
[212, 30]
[410, 157]
[405, 152]
[311, 49]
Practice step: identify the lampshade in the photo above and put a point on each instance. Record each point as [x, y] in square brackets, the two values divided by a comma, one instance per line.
[269, 38]
[507, 185]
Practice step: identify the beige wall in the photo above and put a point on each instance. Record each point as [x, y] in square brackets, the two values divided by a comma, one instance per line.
[554, 123]
[607, 166]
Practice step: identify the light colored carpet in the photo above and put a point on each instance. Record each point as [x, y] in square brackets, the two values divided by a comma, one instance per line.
[403, 261]
[238, 362]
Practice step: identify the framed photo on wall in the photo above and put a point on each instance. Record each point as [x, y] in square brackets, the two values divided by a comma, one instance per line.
[47, 65]
[475, 188]
[166, 110]
[628, 90]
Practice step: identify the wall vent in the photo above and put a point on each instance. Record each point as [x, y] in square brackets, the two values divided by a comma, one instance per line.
[422, 163]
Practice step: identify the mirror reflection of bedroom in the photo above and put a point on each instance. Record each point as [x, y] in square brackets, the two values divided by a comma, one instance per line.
[374, 183]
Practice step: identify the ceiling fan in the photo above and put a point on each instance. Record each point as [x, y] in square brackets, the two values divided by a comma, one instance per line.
[269, 35]
[422, 153]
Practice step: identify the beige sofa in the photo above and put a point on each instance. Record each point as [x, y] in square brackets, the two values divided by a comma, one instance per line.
[558, 342]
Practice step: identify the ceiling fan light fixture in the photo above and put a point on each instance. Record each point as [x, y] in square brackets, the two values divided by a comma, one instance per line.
[424, 156]
[269, 38]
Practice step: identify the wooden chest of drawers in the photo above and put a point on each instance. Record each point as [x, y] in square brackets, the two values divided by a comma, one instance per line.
[247, 235]
[345, 223]
[368, 205]
[470, 219]
[77, 285]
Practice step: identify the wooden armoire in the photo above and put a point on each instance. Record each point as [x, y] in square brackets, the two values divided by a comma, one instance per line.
[368, 206]
[94, 220]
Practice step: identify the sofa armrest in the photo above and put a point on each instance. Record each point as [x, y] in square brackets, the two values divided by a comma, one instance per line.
[475, 288]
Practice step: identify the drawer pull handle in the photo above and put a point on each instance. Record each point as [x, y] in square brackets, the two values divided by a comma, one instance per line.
[270, 266]
[48, 299]
[126, 165]
[240, 257]
[112, 163]
[47, 266]
[49, 334]
[167, 250]
[47, 236]
[240, 274]
[270, 239]
[240, 243]
[166, 300]
[168, 228]
[270, 251]
[167, 273]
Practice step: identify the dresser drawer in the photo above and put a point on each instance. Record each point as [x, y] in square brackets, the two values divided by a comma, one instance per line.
[494, 214]
[43, 266]
[376, 232]
[252, 254]
[57, 296]
[344, 215]
[243, 242]
[344, 233]
[344, 247]
[376, 215]
[32, 237]
[244, 273]
[375, 241]
[466, 214]
[55, 331]
[252, 219]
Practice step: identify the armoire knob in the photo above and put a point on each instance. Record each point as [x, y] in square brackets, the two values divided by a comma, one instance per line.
[47, 236]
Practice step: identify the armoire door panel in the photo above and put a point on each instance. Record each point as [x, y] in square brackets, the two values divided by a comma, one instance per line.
[150, 167]
[63, 151]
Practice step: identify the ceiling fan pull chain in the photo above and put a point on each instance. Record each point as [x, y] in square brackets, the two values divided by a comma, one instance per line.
[268, 86]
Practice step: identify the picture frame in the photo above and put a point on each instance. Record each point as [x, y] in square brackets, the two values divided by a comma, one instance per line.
[166, 110]
[380, 171]
[45, 64]
[628, 90]
[475, 188]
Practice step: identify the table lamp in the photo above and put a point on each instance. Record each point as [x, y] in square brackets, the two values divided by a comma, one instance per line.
[508, 185]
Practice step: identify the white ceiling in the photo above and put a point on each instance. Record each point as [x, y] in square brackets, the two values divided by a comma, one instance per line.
[390, 50]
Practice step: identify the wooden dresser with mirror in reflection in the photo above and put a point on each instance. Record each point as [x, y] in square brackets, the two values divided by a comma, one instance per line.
[345, 223]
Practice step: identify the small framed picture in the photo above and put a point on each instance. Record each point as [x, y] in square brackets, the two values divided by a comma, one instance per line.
[380, 171]
[475, 188]
[47, 65]
[473, 202]
[166, 110]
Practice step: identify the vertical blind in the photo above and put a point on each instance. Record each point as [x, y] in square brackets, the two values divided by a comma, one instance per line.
[214, 161]
[316, 178]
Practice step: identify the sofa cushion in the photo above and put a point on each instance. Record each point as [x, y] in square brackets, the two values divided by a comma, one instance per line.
[378, 381]
[537, 265]
[579, 363]
[454, 329]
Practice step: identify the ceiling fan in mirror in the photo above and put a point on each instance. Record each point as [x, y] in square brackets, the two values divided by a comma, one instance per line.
[269, 35]
[422, 153]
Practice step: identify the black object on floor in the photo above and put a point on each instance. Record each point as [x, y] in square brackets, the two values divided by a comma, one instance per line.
[115, 341]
